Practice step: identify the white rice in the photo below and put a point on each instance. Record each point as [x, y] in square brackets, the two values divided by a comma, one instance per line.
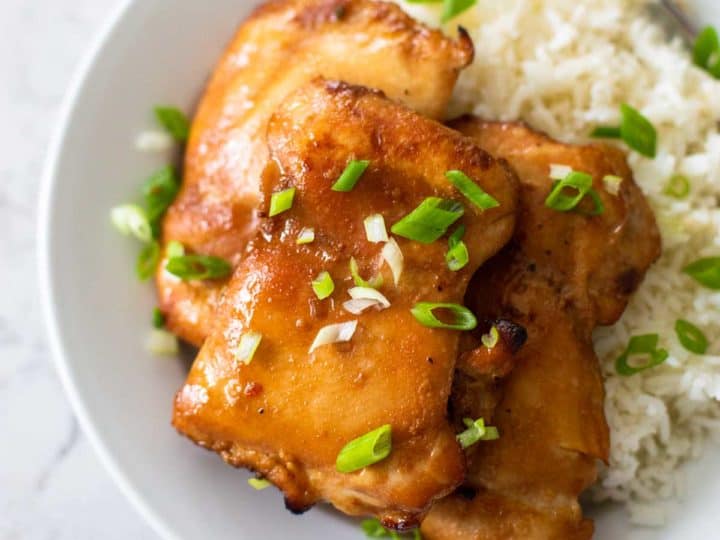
[565, 66]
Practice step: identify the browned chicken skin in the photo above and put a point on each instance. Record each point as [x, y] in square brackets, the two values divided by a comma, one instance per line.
[289, 412]
[562, 274]
[283, 45]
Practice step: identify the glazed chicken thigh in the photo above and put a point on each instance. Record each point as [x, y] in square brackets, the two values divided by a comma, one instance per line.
[289, 412]
[561, 275]
[282, 45]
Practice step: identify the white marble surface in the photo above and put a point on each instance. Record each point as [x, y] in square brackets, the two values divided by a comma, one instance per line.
[51, 483]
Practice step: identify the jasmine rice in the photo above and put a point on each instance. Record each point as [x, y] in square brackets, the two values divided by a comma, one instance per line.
[565, 67]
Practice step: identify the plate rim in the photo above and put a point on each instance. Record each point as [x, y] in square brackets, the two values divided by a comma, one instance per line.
[45, 276]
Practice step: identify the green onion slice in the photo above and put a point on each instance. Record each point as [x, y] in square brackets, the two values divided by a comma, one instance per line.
[281, 201]
[429, 221]
[463, 318]
[323, 285]
[476, 431]
[174, 121]
[471, 190]
[375, 230]
[174, 249]
[249, 343]
[606, 132]
[373, 528]
[259, 483]
[393, 256]
[646, 346]
[147, 261]
[374, 283]
[158, 319]
[130, 219]
[580, 182]
[637, 131]
[457, 255]
[305, 236]
[365, 450]
[490, 340]
[191, 267]
[705, 271]
[612, 184]
[162, 343]
[706, 52]
[351, 175]
[160, 191]
[453, 8]
[691, 337]
[678, 186]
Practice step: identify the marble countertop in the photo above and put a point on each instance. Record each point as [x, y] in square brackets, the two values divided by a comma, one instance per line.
[52, 485]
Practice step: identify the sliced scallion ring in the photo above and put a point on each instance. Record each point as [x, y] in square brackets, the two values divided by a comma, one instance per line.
[334, 333]
[706, 51]
[351, 175]
[305, 236]
[174, 249]
[249, 343]
[490, 340]
[612, 184]
[281, 201]
[192, 267]
[463, 318]
[635, 130]
[646, 346]
[429, 221]
[159, 192]
[580, 182]
[691, 337]
[366, 450]
[259, 483]
[323, 285]
[131, 219]
[374, 283]
[705, 271]
[476, 431]
[606, 132]
[457, 256]
[158, 319]
[471, 190]
[375, 228]
[147, 261]
[559, 172]
[393, 256]
[678, 186]
[162, 343]
[174, 121]
[453, 8]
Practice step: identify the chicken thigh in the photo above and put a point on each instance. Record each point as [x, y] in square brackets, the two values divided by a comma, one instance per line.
[284, 44]
[289, 412]
[561, 275]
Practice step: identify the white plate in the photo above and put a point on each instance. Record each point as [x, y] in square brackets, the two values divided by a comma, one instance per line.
[152, 52]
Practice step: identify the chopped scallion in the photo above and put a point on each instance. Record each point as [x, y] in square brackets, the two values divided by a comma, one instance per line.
[323, 285]
[373, 528]
[158, 319]
[393, 256]
[350, 175]
[174, 121]
[581, 183]
[192, 267]
[457, 255]
[160, 191]
[334, 333]
[258, 483]
[306, 236]
[463, 318]
[635, 130]
[366, 450]
[705, 271]
[612, 184]
[476, 431]
[706, 52]
[453, 8]
[678, 186]
[471, 190]
[374, 283]
[249, 343]
[490, 340]
[174, 249]
[281, 201]
[429, 221]
[131, 219]
[691, 337]
[645, 346]
[375, 230]
[147, 261]
[162, 343]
